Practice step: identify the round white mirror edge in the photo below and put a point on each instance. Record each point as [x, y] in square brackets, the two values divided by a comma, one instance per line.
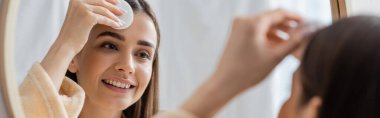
[9, 86]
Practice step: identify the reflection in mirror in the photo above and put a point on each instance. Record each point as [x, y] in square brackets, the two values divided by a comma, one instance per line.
[193, 35]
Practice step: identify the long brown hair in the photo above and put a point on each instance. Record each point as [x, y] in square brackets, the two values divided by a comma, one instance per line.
[147, 105]
[342, 66]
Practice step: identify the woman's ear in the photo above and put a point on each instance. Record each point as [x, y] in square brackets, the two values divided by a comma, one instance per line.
[73, 67]
[312, 108]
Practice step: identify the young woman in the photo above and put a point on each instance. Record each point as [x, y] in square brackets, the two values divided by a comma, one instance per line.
[116, 69]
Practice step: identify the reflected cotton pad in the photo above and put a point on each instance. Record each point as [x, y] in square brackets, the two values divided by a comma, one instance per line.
[127, 18]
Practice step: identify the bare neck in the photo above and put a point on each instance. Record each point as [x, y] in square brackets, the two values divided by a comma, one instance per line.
[91, 110]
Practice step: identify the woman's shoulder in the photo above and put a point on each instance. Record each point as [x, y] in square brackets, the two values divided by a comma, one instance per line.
[40, 97]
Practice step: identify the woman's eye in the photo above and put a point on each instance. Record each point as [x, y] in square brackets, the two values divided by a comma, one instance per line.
[109, 46]
[143, 55]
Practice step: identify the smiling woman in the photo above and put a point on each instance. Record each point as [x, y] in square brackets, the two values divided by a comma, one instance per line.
[116, 69]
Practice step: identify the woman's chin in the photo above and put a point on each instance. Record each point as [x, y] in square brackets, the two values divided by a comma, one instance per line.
[110, 100]
[117, 104]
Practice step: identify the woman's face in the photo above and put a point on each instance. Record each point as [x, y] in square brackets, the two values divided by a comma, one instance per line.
[293, 108]
[115, 66]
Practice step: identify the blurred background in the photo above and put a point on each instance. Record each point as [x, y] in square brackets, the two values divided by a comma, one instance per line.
[366, 7]
[194, 33]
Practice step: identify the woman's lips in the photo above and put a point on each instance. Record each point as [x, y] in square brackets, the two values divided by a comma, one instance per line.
[118, 86]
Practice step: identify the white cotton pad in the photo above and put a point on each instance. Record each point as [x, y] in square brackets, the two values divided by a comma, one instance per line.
[127, 18]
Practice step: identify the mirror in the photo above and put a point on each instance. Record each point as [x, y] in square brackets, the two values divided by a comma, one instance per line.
[345, 8]
[338, 9]
[39, 23]
[9, 101]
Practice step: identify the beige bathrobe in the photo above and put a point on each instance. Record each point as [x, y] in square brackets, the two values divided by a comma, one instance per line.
[40, 99]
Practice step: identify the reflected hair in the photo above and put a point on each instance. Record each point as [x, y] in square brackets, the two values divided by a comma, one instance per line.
[147, 105]
[342, 66]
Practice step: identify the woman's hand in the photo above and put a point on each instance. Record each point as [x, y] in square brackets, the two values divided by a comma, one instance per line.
[305, 31]
[253, 49]
[81, 16]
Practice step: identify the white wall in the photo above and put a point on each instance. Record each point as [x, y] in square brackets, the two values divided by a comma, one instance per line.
[38, 25]
[367, 7]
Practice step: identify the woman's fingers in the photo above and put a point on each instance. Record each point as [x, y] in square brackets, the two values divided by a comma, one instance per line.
[281, 16]
[297, 37]
[282, 31]
[101, 19]
[278, 35]
[108, 4]
[287, 26]
[114, 2]
[104, 16]
[276, 26]
[276, 18]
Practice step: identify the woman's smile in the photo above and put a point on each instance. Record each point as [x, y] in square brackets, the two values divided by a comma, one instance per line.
[120, 85]
[113, 68]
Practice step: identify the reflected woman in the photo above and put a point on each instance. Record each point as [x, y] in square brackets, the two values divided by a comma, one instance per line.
[117, 69]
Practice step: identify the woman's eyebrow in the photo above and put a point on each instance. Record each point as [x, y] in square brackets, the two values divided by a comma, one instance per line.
[112, 34]
[120, 37]
[145, 43]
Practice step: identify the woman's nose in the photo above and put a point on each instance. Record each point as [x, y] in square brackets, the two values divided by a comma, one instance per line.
[126, 65]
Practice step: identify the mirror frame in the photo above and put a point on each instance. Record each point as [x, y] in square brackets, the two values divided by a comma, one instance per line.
[8, 84]
[339, 9]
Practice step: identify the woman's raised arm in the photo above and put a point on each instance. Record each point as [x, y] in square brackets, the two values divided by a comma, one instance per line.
[81, 16]
[251, 53]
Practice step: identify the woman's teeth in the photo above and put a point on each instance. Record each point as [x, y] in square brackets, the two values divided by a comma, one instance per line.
[117, 84]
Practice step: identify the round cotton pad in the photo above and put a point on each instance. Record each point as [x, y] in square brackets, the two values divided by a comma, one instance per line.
[127, 18]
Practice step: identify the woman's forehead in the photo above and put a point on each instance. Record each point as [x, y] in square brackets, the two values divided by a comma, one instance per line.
[141, 28]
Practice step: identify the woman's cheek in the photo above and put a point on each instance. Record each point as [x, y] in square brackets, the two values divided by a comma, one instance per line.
[143, 76]
[103, 59]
